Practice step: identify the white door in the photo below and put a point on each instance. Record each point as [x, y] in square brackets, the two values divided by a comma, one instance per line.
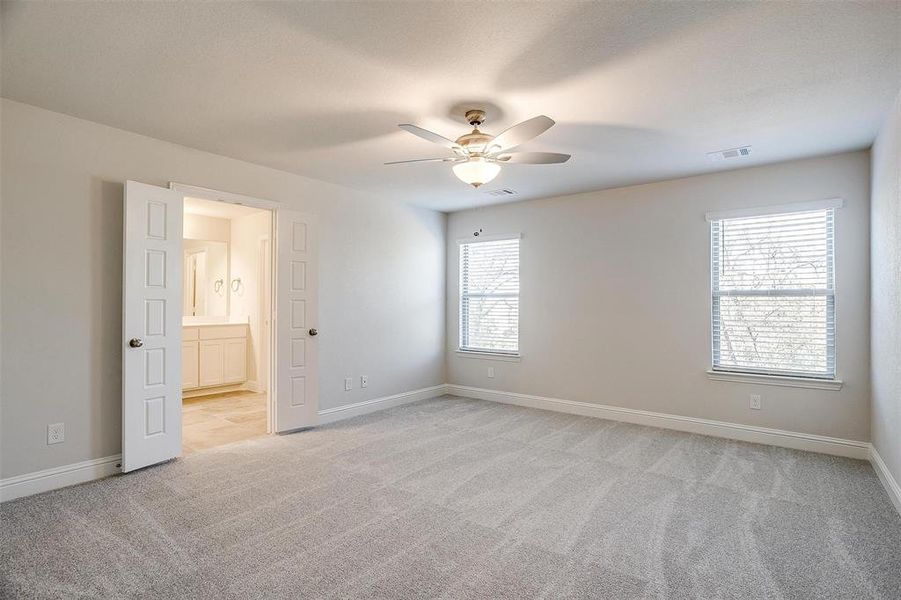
[296, 312]
[151, 325]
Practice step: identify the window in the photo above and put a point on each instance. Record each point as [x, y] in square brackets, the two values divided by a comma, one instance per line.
[489, 296]
[773, 294]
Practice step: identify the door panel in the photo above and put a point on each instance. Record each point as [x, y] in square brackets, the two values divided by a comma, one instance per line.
[296, 314]
[151, 325]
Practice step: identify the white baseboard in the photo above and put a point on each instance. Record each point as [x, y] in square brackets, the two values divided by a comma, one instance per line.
[58, 477]
[888, 480]
[330, 415]
[736, 431]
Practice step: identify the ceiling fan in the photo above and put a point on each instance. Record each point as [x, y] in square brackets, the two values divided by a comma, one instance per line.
[478, 155]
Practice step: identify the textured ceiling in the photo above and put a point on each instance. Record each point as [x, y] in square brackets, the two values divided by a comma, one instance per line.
[640, 91]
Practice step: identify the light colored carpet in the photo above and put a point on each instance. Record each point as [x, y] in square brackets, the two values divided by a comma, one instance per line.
[457, 498]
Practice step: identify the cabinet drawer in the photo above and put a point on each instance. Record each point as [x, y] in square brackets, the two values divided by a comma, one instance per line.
[220, 332]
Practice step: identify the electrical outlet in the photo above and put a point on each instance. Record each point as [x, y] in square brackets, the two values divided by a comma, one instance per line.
[56, 433]
[754, 401]
[490, 372]
[364, 381]
[348, 384]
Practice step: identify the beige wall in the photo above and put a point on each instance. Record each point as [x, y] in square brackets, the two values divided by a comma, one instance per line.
[246, 233]
[615, 297]
[886, 292]
[381, 279]
[614, 287]
[202, 227]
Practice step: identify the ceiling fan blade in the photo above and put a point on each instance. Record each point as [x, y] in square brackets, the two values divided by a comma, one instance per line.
[534, 158]
[431, 136]
[420, 160]
[519, 133]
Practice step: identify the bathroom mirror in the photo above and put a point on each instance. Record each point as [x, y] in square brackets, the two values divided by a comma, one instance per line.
[206, 278]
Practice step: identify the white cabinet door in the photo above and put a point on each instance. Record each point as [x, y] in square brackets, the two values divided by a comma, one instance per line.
[151, 326]
[235, 360]
[212, 362]
[190, 365]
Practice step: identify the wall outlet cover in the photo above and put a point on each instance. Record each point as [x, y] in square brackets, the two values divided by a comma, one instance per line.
[56, 433]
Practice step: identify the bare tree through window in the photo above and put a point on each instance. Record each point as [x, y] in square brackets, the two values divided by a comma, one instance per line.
[489, 296]
[773, 301]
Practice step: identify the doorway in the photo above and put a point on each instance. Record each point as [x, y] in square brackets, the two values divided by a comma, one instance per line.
[165, 357]
[225, 324]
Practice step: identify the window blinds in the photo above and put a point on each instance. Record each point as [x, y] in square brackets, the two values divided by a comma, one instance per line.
[489, 296]
[773, 302]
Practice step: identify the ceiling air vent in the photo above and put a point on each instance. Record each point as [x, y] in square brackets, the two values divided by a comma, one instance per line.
[502, 192]
[731, 153]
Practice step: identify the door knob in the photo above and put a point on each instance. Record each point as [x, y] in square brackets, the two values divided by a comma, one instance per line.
[135, 342]
[314, 332]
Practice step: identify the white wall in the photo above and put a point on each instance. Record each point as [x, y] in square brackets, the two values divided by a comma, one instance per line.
[246, 233]
[885, 293]
[381, 279]
[615, 297]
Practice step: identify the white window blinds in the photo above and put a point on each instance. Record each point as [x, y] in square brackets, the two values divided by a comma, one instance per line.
[489, 296]
[773, 304]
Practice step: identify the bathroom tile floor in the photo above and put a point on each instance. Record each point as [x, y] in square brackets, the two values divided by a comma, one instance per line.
[216, 420]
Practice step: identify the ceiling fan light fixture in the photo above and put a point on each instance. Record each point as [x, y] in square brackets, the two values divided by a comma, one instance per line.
[478, 155]
[476, 171]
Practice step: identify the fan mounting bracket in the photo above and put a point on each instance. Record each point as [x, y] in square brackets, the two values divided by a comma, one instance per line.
[475, 117]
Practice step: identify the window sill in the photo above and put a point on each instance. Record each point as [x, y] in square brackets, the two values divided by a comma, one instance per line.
[779, 380]
[488, 355]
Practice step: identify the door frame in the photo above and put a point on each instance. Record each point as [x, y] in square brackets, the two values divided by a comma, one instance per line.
[265, 264]
[203, 193]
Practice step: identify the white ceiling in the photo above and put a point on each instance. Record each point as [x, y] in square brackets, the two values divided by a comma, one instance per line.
[640, 91]
[220, 210]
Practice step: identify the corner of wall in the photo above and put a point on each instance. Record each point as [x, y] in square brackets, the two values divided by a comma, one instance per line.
[885, 298]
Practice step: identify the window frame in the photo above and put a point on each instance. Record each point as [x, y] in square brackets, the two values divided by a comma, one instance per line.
[487, 353]
[775, 376]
